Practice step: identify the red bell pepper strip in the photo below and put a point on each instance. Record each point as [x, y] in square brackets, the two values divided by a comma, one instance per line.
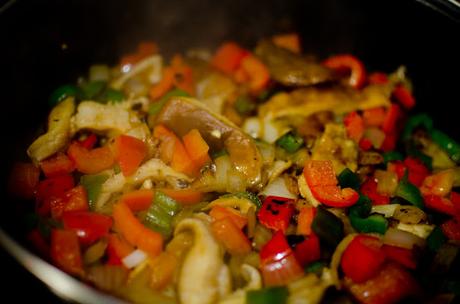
[363, 258]
[389, 143]
[404, 97]
[89, 142]
[228, 57]
[378, 78]
[348, 64]
[417, 170]
[51, 189]
[278, 263]
[440, 204]
[117, 249]
[74, 199]
[451, 229]
[129, 152]
[23, 180]
[89, 226]
[390, 285]
[391, 118]
[138, 200]
[402, 256]
[276, 212]
[65, 251]
[91, 161]
[455, 199]
[58, 164]
[323, 184]
[369, 189]
[354, 124]
[308, 250]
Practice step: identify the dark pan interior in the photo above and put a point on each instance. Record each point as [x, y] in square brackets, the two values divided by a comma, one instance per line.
[48, 43]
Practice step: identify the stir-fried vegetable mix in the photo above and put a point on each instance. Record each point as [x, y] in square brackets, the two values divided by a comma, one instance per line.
[245, 176]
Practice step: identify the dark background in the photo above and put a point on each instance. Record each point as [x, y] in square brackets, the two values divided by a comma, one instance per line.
[384, 34]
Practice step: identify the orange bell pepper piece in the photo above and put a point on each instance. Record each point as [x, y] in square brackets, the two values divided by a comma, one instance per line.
[197, 148]
[129, 152]
[138, 200]
[233, 239]
[219, 212]
[184, 196]
[91, 161]
[228, 57]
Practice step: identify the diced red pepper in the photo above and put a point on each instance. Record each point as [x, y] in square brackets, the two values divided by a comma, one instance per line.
[278, 263]
[390, 285]
[346, 63]
[365, 144]
[404, 97]
[23, 180]
[89, 226]
[117, 249]
[58, 164]
[276, 212]
[374, 117]
[378, 78]
[74, 199]
[363, 258]
[455, 199]
[354, 124]
[65, 251]
[389, 143]
[89, 142]
[51, 189]
[440, 204]
[308, 250]
[390, 123]
[397, 167]
[228, 57]
[451, 229]
[39, 243]
[402, 256]
[129, 152]
[321, 180]
[369, 189]
[417, 170]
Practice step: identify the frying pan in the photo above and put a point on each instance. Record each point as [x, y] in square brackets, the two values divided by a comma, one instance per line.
[48, 43]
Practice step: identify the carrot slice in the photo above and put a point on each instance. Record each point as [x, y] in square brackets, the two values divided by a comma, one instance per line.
[166, 83]
[196, 147]
[219, 212]
[288, 41]
[135, 232]
[184, 196]
[233, 239]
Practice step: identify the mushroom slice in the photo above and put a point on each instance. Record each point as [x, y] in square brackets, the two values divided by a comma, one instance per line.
[291, 69]
[58, 134]
[182, 114]
[202, 265]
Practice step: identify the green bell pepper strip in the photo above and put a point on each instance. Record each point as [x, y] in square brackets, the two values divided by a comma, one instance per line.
[446, 143]
[290, 142]
[392, 156]
[269, 295]
[112, 95]
[327, 226]
[156, 106]
[160, 214]
[436, 239]
[243, 105]
[93, 90]
[62, 93]
[93, 185]
[419, 120]
[409, 192]
[316, 267]
[247, 195]
[349, 179]
[362, 221]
